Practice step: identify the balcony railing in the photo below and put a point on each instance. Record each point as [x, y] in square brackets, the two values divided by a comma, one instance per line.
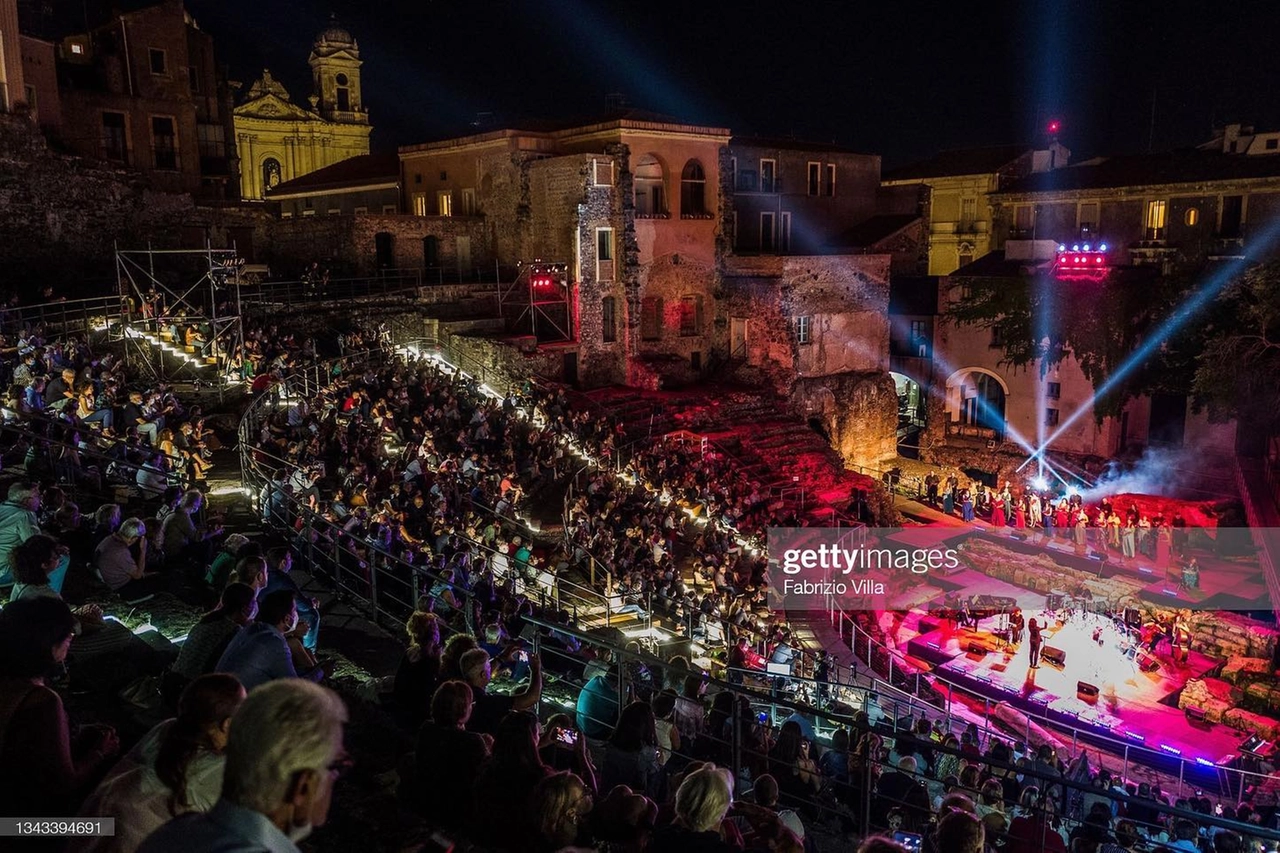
[747, 182]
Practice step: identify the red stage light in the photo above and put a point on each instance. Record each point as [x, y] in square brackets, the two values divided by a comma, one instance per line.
[1055, 126]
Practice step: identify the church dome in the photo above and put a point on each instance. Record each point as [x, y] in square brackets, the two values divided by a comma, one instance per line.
[335, 34]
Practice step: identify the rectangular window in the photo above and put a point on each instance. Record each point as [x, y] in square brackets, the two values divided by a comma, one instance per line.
[968, 213]
[335, 211]
[602, 173]
[1272, 144]
[159, 61]
[1157, 211]
[1024, 218]
[815, 178]
[1088, 218]
[651, 318]
[1050, 417]
[917, 332]
[469, 202]
[344, 99]
[29, 92]
[1054, 391]
[768, 233]
[164, 142]
[115, 137]
[831, 179]
[359, 210]
[690, 316]
[388, 208]
[419, 204]
[768, 176]
[997, 337]
[444, 203]
[784, 233]
[804, 330]
[609, 319]
[211, 140]
[193, 79]
[604, 254]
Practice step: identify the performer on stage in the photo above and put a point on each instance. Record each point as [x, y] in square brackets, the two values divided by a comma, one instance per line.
[1016, 624]
[1181, 640]
[1033, 635]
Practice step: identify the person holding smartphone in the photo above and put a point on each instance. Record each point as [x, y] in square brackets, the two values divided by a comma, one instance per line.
[563, 747]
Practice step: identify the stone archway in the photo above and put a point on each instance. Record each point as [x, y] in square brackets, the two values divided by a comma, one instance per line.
[976, 403]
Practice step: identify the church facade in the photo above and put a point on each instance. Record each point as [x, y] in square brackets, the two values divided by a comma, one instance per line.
[278, 140]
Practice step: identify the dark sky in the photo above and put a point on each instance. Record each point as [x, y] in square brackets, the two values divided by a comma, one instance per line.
[902, 79]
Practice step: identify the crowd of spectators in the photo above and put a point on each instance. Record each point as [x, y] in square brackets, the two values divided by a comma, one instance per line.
[412, 466]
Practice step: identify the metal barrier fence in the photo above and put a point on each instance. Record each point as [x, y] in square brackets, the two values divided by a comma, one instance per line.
[392, 588]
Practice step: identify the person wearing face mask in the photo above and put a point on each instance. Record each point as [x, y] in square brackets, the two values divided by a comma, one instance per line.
[176, 768]
[284, 752]
[259, 652]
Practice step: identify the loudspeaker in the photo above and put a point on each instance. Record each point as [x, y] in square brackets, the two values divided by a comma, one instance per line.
[1147, 663]
[977, 650]
[1195, 715]
[1053, 655]
[1086, 691]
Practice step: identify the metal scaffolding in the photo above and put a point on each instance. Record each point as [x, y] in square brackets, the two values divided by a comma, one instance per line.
[170, 289]
[539, 302]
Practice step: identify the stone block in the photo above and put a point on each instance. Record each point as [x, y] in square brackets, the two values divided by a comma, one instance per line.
[1253, 723]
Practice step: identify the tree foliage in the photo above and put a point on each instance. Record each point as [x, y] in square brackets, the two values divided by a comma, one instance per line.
[1237, 373]
[1040, 320]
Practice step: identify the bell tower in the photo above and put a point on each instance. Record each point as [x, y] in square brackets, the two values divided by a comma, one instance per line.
[335, 73]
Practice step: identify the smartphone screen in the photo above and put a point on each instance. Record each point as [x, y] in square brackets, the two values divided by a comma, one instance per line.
[910, 840]
[567, 736]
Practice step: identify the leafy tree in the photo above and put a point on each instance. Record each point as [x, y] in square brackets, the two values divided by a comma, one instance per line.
[1040, 320]
[1237, 372]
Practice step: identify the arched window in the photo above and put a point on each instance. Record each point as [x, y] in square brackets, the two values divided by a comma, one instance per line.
[650, 192]
[693, 190]
[270, 173]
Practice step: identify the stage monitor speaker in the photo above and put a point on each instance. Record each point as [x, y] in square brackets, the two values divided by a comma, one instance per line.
[1195, 715]
[1053, 655]
[1147, 663]
[1086, 691]
[977, 650]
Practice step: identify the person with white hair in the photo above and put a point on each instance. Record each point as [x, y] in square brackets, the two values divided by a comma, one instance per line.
[120, 569]
[19, 521]
[702, 801]
[284, 752]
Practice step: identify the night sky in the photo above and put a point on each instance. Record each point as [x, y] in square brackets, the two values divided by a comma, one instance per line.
[902, 79]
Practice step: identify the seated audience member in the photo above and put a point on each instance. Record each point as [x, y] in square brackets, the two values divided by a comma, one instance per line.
[209, 638]
[631, 758]
[509, 776]
[19, 521]
[279, 566]
[185, 539]
[443, 741]
[45, 768]
[963, 832]
[419, 670]
[106, 520]
[560, 805]
[283, 754]
[259, 652]
[702, 801]
[624, 821]
[766, 796]
[31, 562]
[559, 754]
[176, 768]
[120, 569]
[451, 658]
[491, 708]
[251, 571]
[224, 562]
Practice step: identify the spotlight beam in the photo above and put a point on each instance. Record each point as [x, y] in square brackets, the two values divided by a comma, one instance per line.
[1173, 324]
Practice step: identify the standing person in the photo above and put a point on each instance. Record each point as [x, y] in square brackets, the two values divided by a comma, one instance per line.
[283, 754]
[1033, 637]
[966, 505]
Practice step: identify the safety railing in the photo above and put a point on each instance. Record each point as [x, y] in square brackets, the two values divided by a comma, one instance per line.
[909, 690]
[68, 316]
[746, 729]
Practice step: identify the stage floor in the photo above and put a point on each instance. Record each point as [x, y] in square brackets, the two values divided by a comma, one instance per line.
[1004, 671]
